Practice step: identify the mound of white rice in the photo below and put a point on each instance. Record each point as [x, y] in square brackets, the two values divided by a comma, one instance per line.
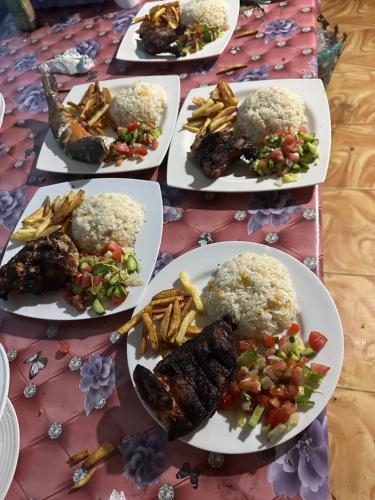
[268, 110]
[106, 217]
[139, 102]
[256, 291]
[211, 12]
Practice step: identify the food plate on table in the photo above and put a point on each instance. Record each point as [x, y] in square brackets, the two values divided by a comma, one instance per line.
[9, 447]
[132, 47]
[310, 105]
[89, 133]
[299, 290]
[82, 249]
[4, 379]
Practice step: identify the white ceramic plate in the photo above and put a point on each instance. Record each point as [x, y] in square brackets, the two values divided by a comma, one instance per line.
[9, 447]
[2, 109]
[185, 174]
[4, 378]
[131, 49]
[318, 312]
[52, 305]
[53, 159]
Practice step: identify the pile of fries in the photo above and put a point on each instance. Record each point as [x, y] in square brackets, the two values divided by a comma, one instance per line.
[162, 16]
[92, 109]
[214, 114]
[50, 217]
[168, 318]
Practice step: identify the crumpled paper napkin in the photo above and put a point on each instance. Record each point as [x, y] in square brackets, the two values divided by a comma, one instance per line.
[71, 62]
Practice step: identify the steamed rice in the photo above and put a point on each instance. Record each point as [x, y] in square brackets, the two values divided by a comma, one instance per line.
[139, 102]
[256, 291]
[106, 217]
[211, 12]
[269, 110]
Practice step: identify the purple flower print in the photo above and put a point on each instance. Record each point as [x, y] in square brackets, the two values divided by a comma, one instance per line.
[3, 148]
[280, 28]
[303, 469]
[313, 64]
[4, 49]
[68, 22]
[123, 21]
[8, 28]
[88, 47]
[270, 208]
[25, 62]
[163, 260]
[171, 196]
[170, 214]
[12, 204]
[251, 75]
[204, 67]
[32, 99]
[97, 380]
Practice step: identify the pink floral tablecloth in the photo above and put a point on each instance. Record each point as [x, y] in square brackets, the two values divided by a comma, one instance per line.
[285, 47]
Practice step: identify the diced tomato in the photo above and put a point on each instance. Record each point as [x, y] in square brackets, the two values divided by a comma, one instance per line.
[279, 367]
[292, 156]
[275, 402]
[242, 373]
[132, 126]
[227, 401]
[96, 280]
[138, 150]
[276, 416]
[112, 246]
[289, 407]
[268, 340]
[297, 376]
[85, 280]
[277, 391]
[154, 144]
[318, 368]
[234, 389]
[276, 155]
[251, 384]
[283, 341]
[302, 128]
[270, 351]
[292, 363]
[290, 391]
[117, 254]
[290, 143]
[116, 301]
[122, 148]
[246, 345]
[263, 400]
[303, 361]
[294, 328]
[77, 303]
[317, 341]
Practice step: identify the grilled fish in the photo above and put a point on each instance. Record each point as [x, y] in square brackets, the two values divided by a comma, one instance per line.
[75, 141]
[187, 385]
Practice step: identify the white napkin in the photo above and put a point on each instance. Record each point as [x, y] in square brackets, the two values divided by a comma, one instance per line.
[71, 62]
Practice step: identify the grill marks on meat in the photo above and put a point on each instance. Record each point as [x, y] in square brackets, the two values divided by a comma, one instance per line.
[216, 151]
[189, 383]
[40, 266]
[158, 40]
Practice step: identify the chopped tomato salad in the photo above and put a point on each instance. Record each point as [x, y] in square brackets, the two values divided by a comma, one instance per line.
[273, 381]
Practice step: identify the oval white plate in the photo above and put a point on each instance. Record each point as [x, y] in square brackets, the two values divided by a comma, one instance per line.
[4, 378]
[318, 312]
[52, 305]
[53, 159]
[131, 49]
[9, 447]
[185, 174]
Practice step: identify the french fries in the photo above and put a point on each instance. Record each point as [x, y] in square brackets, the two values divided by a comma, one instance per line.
[50, 217]
[216, 113]
[167, 319]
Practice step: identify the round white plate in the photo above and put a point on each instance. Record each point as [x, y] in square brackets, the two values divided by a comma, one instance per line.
[131, 49]
[318, 312]
[9, 447]
[2, 109]
[184, 173]
[53, 159]
[4, 378]
[52, 305]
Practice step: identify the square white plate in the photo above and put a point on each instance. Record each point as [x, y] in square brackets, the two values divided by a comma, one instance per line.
[185, 174]
[53, 159]
[52, 305]
[131, 49]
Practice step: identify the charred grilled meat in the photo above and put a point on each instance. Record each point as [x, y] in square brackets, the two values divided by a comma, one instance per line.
[159, 40]
[189, 383]
[41, 265]
[216, 151]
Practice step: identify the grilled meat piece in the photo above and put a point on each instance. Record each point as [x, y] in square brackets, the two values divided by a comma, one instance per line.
[217, 150]
[41, 265]
[159, 40]
[186, 386]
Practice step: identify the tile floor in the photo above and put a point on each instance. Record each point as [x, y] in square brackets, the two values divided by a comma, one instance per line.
[348, 198]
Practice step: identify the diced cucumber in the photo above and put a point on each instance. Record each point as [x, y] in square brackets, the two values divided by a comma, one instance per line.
[120, 291]
[306, 137]
[281, 354]
[246, 358]
[266, 382]
[123, 274]
[114, 279]
[131, 264]
[100, 268]
[110, 291]
[308, 352]
[84, 265]
[305, 403]
[98, 306]
[256, 415]
[311, 378]
[281, 429]
[241, 419]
